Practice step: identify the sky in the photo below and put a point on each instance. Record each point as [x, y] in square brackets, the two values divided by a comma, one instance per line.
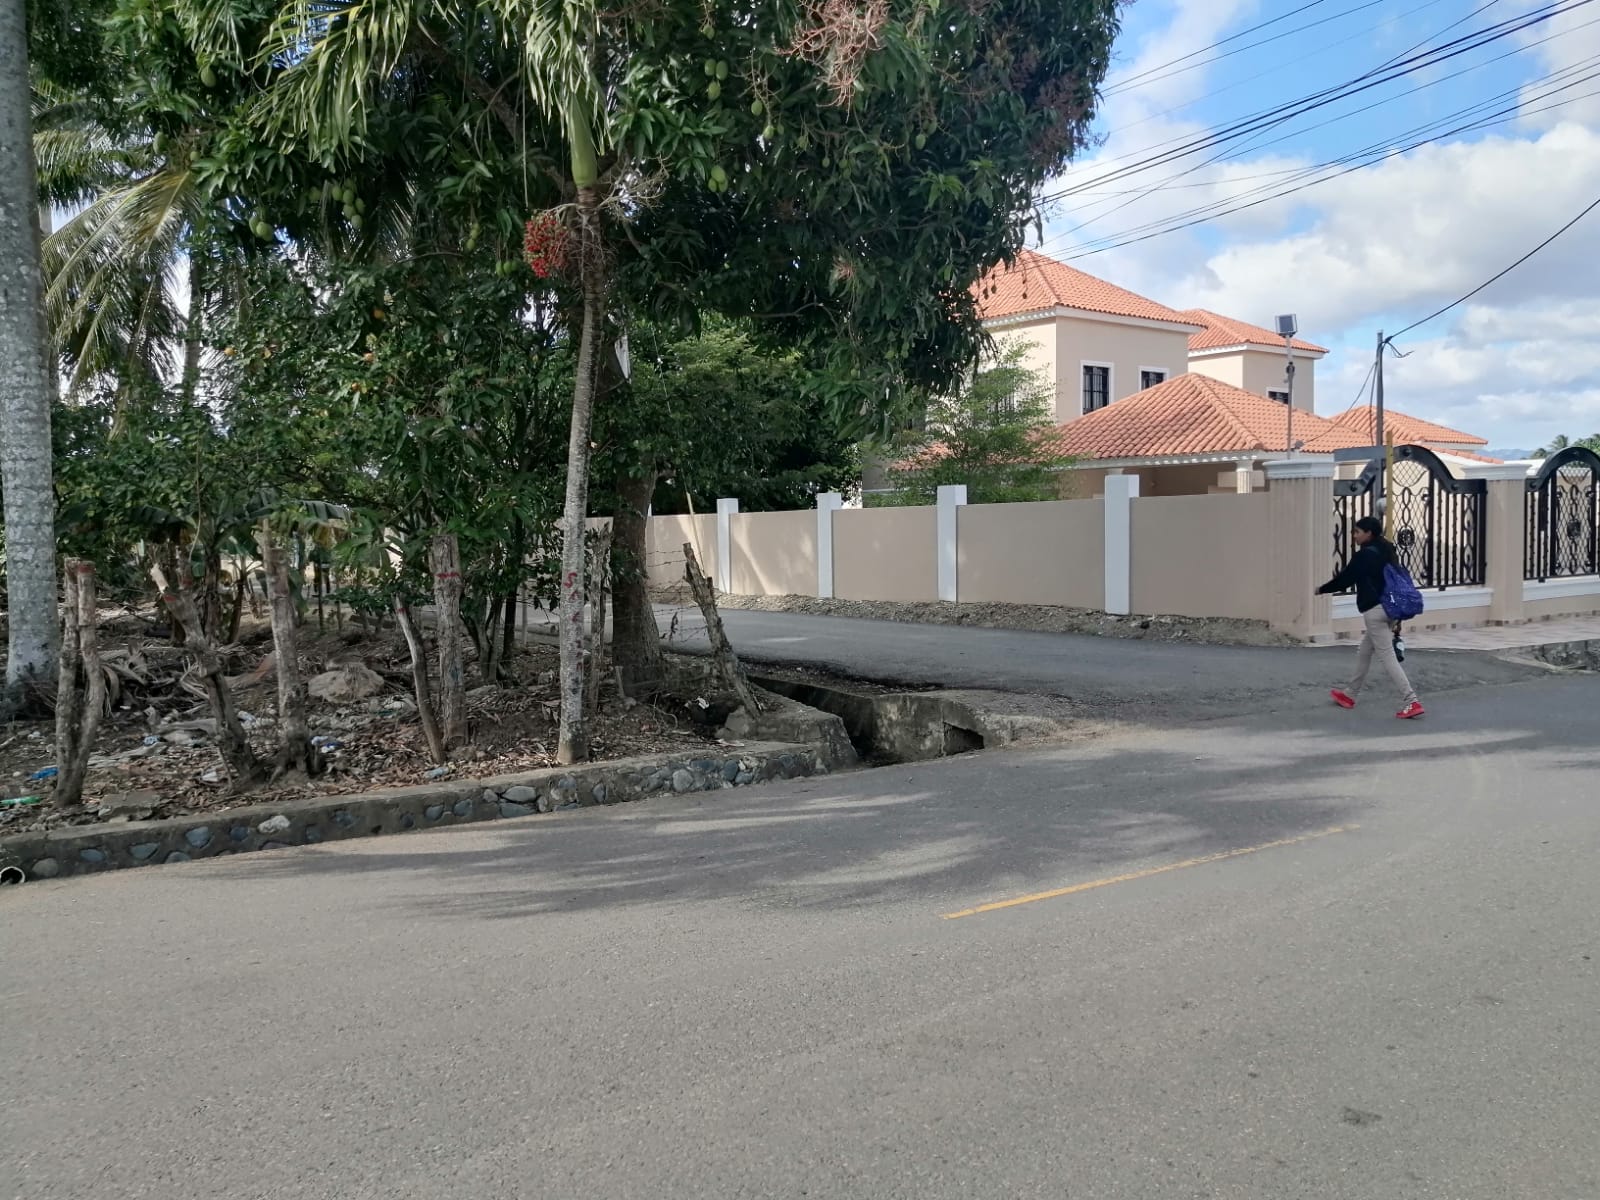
[1382, 246]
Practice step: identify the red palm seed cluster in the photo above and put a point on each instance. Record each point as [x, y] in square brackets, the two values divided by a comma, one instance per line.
[545, 242]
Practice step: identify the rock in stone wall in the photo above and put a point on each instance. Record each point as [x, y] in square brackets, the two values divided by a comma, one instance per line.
[85, 849]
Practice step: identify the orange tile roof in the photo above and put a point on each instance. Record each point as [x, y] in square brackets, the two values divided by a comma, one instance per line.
[1035, 283]
[1405, 429]
[1221, 331]
[1193, 414]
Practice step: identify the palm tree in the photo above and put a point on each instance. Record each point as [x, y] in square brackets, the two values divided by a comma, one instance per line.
[25, 456]
[110, 269]
[339, 62]
[1557, 444]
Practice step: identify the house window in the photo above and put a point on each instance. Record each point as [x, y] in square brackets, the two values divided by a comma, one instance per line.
[1149, 379]
[1096, 388]
[1278, 394]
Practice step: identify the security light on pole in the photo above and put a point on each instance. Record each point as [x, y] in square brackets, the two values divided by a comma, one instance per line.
[1288, 326]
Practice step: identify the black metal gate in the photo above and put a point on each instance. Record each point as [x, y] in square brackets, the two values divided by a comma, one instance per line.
[1439, 521]
[1561, 539]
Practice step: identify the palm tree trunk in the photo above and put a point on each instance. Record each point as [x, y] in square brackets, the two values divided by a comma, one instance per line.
[194, 327]
[25, 459]
[573, 741]
[52, 365]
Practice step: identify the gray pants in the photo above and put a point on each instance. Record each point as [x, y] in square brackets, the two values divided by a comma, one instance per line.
[1379, 640]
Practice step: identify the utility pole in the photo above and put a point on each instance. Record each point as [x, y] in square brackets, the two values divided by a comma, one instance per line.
[1381, 487]
[1378, 388]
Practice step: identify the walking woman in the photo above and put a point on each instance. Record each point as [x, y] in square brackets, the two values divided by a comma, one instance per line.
[1364, 572]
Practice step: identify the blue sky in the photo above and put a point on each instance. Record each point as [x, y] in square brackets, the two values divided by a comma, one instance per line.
[1379, 247]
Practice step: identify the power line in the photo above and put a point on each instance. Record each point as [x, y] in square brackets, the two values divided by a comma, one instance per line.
[1128, 81]
[1184, 145]
[1372, 369]
[1497, 119]
[1365, 32]
[1128, 85]
[1171, 182]
[1501, 275]
[1375, 152]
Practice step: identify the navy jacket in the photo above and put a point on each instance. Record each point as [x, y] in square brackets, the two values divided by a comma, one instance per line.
[1364, 572]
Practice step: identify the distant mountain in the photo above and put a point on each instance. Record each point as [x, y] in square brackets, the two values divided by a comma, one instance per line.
[1511, 455]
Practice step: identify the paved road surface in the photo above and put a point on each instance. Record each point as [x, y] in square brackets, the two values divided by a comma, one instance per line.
[1172, 678]
[754, 994]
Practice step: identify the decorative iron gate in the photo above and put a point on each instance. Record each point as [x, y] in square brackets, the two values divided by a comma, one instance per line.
[1560, 539]
[1439, 521]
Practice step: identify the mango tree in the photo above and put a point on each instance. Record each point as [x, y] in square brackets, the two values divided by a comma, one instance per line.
[839, 172]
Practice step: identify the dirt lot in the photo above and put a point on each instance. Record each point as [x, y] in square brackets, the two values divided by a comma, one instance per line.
[158, 737]
[1038, 617]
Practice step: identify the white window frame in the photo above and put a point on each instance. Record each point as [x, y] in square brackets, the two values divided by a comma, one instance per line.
[1281, 395]
[1111, 384]
[1161, 371]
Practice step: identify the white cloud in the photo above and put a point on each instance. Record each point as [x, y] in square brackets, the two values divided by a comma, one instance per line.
[1418, 231]
[1570, 46]
[1380, 247]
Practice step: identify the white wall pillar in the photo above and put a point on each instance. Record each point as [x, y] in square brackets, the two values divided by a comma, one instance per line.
[1505, 537]
[1120, 493]
[725, 511]
[950, 499]
[828, 503]
[1244, 477]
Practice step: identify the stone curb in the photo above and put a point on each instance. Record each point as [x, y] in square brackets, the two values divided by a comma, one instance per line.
[88, 849]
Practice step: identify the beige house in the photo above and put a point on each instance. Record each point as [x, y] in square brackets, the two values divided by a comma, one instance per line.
[1097, 342]
[1255, 359]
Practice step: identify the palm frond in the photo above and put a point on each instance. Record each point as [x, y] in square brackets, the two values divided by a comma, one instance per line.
[557, 40]
[108, 276]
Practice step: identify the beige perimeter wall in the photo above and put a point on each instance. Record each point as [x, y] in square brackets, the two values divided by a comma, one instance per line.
[774, 554]
[1202, 556]
[1051, 553]
[885, 554]
[663, 546]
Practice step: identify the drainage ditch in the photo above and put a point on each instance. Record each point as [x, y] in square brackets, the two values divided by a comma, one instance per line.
[903, 727]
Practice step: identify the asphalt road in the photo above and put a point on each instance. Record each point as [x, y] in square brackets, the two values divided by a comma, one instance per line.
[757, 994]
[1173, 679]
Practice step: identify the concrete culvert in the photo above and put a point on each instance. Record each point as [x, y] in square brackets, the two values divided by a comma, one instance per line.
[961, 741]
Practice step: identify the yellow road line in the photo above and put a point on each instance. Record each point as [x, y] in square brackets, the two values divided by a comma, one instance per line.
[1132, 875]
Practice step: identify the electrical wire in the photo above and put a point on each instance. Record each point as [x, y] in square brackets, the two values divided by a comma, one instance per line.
[1508, 115]
[1171, 181]
[1372, 369]
[1128, 85]
[1378, 151]
[1498, 276]
[1185, 145]
[1130, 80]
[1366, 32]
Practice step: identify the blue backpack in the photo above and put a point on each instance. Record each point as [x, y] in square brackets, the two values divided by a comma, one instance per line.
[1401, 599]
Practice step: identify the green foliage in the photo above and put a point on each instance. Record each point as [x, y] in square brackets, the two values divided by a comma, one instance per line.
[987, 436]
[840, 179]
[716, 413]
[418, 397]
[1561, 442]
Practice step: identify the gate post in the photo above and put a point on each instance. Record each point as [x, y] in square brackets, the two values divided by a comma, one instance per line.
[1300, 554]
[1506, 527]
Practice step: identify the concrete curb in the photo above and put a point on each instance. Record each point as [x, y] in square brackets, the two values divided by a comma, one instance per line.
[89, 849]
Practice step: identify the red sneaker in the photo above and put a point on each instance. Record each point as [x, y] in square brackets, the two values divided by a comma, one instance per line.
[1410, 712]
[1342, 699]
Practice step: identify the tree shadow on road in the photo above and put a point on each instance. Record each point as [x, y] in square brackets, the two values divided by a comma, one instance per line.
[957, 831]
